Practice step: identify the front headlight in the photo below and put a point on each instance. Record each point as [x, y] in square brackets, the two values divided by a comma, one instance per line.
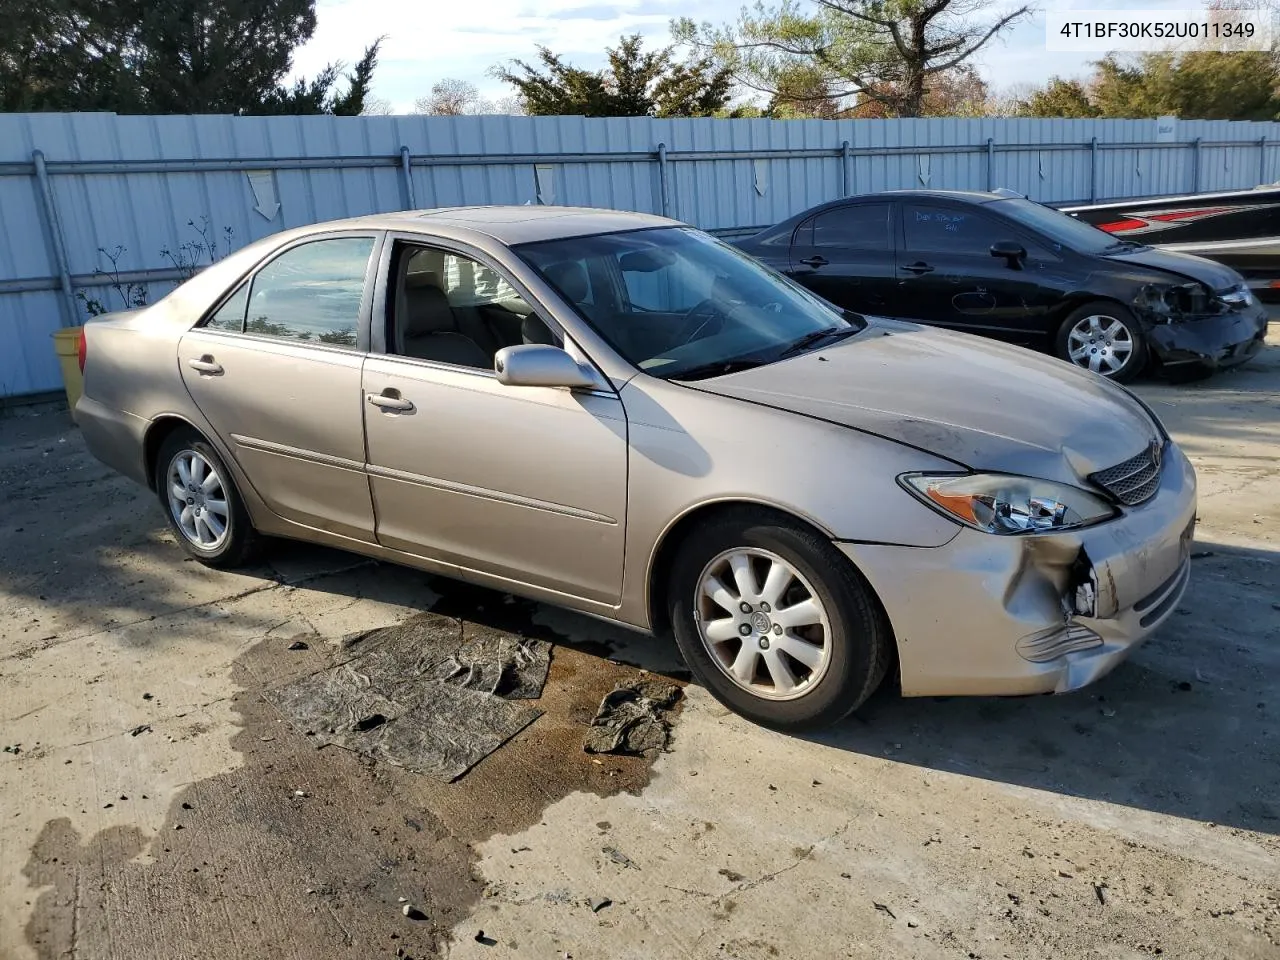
[1001, 503]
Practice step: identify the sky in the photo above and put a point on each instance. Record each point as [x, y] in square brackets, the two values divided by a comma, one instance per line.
[428, 40]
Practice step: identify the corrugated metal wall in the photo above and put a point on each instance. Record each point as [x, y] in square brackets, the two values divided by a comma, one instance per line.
[136, 186]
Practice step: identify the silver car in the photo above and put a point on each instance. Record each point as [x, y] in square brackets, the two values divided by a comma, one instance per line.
[620, 414]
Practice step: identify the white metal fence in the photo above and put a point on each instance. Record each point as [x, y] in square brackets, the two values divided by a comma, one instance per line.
[139, 198]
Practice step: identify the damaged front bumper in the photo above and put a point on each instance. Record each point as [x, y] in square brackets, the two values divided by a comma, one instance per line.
[1212, 342]
[999, 615]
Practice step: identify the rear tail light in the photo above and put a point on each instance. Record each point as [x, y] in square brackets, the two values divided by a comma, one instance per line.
[81, 348]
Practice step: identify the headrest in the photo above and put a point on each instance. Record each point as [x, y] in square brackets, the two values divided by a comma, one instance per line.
[533, 330]
[426, 278]
[426, 310]
[570, 278]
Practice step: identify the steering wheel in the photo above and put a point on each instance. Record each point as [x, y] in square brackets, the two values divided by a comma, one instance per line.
[696, 320]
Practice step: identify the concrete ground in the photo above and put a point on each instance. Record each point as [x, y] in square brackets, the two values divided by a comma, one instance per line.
[152, 805]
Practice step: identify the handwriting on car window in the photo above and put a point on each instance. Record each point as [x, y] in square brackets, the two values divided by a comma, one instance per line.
[948, 221]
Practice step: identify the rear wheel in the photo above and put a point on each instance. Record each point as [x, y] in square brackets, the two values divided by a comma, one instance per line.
[201, 502]
[1105, 338]
[775, 622]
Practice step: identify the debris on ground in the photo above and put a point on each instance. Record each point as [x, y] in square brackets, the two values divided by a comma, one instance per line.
[1100, 890]
[599, 903]
[430, 695]
[617, 856]
[299, 645]
[633, 718]
[731, 875]
[883, 909]
[140, 729]
[487, 941]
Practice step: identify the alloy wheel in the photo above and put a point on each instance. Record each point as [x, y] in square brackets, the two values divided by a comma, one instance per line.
[198, 499]
[763, 623]
[1100, 343]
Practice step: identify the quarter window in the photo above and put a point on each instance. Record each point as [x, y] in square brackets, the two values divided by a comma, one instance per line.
[311, 293]
[230, 316]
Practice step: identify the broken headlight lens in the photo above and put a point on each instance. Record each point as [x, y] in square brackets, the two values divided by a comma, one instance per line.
[1002, 503]
[1169, 302]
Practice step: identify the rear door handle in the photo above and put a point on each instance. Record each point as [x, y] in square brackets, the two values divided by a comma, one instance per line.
[385, 402]
[206, 365]
[918, 267]
[815, 261]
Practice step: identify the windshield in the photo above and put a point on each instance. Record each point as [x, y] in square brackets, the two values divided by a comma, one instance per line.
[681, 305]
[1059, 227]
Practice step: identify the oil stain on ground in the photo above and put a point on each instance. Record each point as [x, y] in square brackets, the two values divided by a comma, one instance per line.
[305, 852]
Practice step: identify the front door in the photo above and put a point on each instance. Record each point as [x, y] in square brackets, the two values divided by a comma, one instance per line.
[523, 484]
[947, 275]
[276, 371]
[845, 255]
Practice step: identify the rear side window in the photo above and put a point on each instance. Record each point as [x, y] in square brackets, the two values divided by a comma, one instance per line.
[311, 293]
[951, 230]
[864, 226]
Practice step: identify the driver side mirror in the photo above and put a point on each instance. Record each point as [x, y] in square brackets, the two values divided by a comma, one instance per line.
[1011, 251]
[541, 365]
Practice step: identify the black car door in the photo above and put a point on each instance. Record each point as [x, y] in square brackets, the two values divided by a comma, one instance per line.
[948, 276]
[846, 255]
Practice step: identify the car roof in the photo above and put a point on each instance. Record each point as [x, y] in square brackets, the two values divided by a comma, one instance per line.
[509, 225]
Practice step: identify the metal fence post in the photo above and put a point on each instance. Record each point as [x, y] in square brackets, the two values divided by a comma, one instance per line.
[1195, 165]
[991, 164]
[53, 230]
[1093, 170]
[406, 175]
[662, 180]
[1262, 160]
[846, 159]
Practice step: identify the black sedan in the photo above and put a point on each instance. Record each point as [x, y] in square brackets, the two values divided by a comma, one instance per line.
[1003, 266]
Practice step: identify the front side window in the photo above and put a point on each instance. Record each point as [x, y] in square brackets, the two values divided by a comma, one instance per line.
[954, 230]
[311, 292]
[864, 226]
[679, 304]
[449, 308]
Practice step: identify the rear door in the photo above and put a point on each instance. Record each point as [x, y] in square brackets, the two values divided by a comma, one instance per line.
[846, 255]
[276, 369]
[947, 275]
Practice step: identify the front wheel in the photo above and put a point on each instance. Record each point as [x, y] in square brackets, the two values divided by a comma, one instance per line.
[775, 622]
[201, 502]
[1105, 338]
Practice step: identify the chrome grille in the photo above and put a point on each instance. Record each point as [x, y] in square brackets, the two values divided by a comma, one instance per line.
[1135, 480]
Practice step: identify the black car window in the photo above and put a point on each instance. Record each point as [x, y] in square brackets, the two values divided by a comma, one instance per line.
[311, 292]
[863, 226]
[938, 229]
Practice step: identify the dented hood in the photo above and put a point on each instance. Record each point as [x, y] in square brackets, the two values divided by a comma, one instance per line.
[981, 404]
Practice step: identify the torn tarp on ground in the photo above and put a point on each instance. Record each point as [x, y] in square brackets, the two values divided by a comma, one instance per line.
[431, 695]
[633, 718]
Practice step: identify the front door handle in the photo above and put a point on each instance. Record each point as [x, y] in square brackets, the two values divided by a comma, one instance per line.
[206, 365]
[387, 401]
[815, 261]
[918, 267]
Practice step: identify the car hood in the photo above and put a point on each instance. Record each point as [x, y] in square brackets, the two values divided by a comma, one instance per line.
[982, 404]
[1214, 275]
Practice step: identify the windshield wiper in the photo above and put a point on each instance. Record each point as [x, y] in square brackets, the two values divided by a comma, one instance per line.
[718, 368]
[1124, 246]
[811, 340]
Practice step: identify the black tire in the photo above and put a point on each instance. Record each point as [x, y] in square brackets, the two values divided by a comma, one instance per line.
[242, 542]
[1138, 356]
[860, 639]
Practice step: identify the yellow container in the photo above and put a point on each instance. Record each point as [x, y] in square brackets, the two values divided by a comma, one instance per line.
[66, 343]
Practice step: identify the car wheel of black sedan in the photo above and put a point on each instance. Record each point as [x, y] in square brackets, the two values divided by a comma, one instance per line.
[775, 622]
[1106, 338]
[201, 502]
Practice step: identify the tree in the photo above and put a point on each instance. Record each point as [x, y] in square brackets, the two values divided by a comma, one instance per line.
[179, 56]
[1197, 84]
[453, 98]
[636, 83]
[959, 92]
[880, 50]
[1058, 98]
